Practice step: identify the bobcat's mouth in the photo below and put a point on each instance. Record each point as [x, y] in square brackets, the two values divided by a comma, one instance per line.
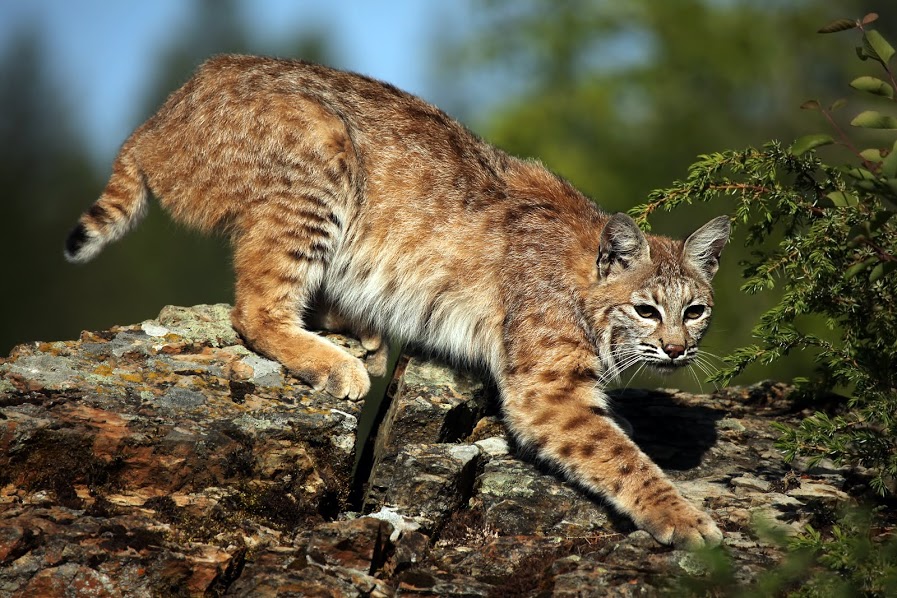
[666, 366]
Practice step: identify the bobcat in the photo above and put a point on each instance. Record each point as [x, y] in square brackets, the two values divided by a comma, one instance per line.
[340, 189]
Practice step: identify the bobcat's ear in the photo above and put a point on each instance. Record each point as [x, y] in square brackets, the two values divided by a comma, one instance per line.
[704, 246]
[622, 244]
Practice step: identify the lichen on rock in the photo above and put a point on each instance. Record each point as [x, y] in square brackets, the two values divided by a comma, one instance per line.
[167, 458]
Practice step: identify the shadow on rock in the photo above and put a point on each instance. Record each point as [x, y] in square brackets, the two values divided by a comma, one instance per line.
[668, 426]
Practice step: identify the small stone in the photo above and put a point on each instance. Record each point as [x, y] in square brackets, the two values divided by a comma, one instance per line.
[399, 523]
[177, 398]
[737, 516]
[240, 370]
[13, 541]
[265, 372]
[464, 453]
[642, 539]
[517, 499]
[731, 424]
[489, 426]
[154, 330]
[740, 541]
[493, 447]
[810, 489]
[823, 468]
[201, 323]
[702, 489]
[752, 483]
[40, 497]
[692, 564]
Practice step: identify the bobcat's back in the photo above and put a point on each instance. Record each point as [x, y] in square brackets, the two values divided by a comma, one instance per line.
[398, 212]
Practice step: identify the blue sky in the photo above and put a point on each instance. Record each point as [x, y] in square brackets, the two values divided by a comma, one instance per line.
[102, 51]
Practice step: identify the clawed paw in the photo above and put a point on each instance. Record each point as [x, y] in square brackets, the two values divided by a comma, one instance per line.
[327, 318]
[376, 360]
[348, 378]
[343, 377]
[684, 526]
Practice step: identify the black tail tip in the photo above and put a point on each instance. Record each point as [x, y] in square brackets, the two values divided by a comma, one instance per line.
[75, 241]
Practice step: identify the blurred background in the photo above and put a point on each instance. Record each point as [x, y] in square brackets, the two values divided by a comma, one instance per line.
[618, 97]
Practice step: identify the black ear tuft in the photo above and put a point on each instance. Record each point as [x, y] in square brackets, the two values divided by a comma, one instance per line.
[703, 247]
[75, 241]
[622, 243]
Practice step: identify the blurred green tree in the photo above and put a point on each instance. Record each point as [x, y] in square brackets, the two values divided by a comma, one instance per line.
[621, 97]
[48, 179]
[42, 163]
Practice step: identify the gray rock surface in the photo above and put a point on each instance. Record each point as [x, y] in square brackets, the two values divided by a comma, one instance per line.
[166, 458]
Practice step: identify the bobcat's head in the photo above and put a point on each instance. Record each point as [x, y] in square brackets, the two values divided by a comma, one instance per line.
[655, 293]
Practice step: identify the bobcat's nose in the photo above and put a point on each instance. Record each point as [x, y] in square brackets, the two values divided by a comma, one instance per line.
[674, 351]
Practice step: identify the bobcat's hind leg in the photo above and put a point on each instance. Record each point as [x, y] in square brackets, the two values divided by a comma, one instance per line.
[325, 317]
[377, 358]
[276, 273]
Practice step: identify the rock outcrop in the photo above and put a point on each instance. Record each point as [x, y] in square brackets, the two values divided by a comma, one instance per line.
[168, 459]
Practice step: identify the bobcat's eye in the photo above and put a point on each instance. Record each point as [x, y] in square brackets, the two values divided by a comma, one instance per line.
[694, 312]
[646, 311]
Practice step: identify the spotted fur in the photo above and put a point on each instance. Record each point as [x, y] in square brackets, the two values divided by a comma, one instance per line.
[339, 188]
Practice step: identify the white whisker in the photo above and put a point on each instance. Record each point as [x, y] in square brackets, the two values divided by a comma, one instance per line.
[691, 370]
[624, 357]
[636, 373]
[707, 368]
[703, 351]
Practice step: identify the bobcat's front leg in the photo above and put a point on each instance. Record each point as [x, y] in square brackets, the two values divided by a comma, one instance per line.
[556, 412]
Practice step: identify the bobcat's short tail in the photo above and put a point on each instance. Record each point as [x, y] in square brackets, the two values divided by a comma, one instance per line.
[119, 208]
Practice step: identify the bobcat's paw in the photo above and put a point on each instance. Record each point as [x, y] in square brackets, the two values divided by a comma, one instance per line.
[682, 525]
[342, 376]
[371, 341]
[376, 360]
[348, 378]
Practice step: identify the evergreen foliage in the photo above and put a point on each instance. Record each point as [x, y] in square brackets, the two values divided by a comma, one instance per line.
[618, 97]
[853, 558]
[827, 235]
